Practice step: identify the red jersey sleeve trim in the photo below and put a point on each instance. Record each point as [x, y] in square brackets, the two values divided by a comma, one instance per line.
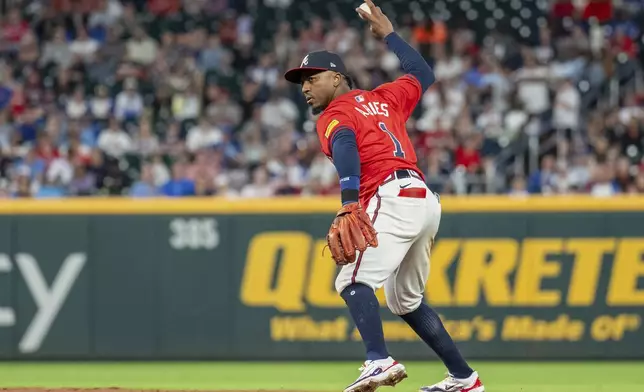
[416, 83]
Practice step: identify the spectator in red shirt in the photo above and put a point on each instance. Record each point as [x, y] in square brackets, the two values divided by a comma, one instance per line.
[18, 102]
[164, 7]
[14, 27]
[45, 149]
[468, 156]
[622, 43]
[600, 9]
[562, 9]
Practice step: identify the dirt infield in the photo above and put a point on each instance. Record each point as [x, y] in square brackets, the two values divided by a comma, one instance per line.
[129, 390]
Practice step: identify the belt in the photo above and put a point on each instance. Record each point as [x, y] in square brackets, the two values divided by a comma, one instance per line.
[401, 173]
[406, 173]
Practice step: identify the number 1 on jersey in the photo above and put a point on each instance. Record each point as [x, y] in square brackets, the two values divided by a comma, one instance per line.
[398, 151]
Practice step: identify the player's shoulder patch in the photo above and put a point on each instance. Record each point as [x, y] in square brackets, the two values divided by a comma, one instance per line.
[359, 98]
[334, 123]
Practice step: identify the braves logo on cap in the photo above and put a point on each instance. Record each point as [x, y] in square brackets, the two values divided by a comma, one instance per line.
[320, 60]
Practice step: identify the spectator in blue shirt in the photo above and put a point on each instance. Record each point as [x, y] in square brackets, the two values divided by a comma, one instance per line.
[542, 181]
[179, 185]
[145, 186]
[28, 127]
[5, 96]
[49, 190]
[31, 164]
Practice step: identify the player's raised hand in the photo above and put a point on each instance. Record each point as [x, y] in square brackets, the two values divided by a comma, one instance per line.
[379, 24]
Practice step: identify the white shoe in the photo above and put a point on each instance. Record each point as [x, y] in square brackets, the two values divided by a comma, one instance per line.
[374, 374]
[450, 384]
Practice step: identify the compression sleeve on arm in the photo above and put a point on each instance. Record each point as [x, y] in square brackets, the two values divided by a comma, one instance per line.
[346, 159]
[410, 60]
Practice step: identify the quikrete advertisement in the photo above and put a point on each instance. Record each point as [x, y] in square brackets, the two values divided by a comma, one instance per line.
[577, 290]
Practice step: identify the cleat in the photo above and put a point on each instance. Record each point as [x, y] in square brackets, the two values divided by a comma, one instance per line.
[451, 384]
[381, 372]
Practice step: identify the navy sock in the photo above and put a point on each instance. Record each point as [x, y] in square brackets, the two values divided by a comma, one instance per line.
[365, 311]
[426, 323]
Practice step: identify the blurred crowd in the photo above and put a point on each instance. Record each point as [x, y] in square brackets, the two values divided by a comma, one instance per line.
[186, 97]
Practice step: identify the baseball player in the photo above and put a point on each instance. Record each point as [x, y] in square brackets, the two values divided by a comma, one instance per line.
[383, 233]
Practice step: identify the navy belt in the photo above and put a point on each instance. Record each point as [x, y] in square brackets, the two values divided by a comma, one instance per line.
[405, 173]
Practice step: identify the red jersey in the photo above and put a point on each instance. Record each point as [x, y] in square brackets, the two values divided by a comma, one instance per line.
[378, 118]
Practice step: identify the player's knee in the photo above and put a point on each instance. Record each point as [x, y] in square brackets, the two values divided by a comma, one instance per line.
[401, 305]
[342, 284]
[358, 291]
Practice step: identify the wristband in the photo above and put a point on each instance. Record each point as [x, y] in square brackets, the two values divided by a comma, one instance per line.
[350, 189]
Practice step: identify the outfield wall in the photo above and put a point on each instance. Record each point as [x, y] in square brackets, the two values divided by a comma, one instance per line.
[549, 278]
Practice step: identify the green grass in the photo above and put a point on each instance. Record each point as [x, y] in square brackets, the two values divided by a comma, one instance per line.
[497, 376]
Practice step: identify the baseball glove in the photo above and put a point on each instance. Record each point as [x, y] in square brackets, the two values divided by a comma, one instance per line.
[351, 230]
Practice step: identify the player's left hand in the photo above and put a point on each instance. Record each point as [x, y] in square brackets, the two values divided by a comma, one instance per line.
[351, 230]
[378, 22]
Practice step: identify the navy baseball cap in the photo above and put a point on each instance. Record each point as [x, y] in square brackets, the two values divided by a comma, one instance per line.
[316, 61]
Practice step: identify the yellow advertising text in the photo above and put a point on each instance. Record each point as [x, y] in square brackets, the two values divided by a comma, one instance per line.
[304, 328]
[522, 328]
[287, 271]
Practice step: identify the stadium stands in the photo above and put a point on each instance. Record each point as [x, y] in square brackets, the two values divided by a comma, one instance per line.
[180, 98]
